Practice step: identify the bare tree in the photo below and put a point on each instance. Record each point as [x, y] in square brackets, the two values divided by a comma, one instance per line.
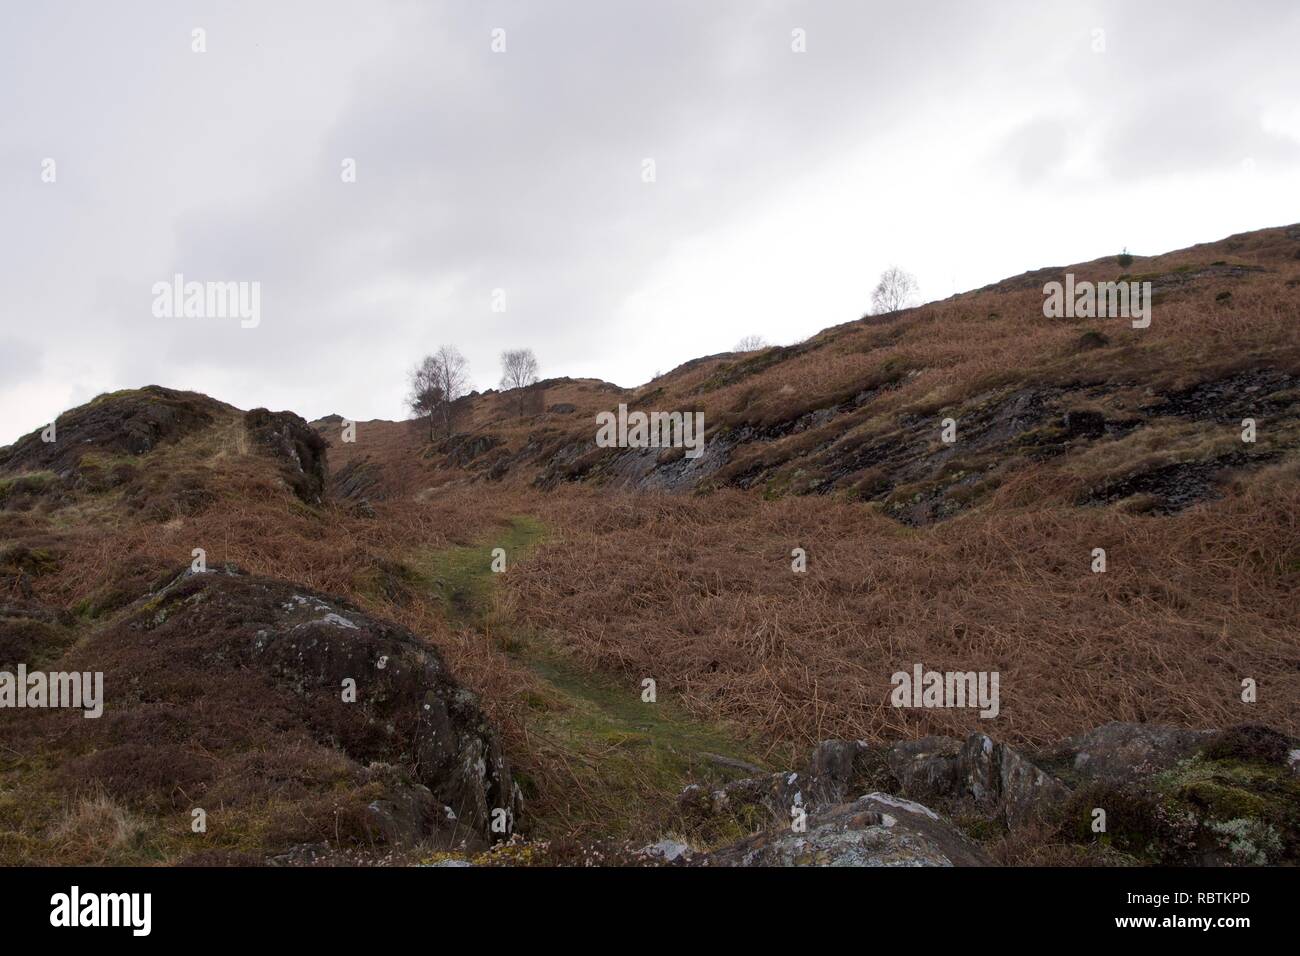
[750, 343]
[425, 395]
[436, 383]
[895, 291]
[518, 371]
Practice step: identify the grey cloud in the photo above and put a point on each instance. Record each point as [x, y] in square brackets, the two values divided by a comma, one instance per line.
[521, 170]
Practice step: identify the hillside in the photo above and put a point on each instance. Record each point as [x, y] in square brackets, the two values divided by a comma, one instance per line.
[855, 411]
[522, 690]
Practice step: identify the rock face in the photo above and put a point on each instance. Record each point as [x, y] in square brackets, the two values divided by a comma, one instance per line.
[1119, 753]
[367, 687]
[358, 483]
[916, 482]
[132, 422]
[461, 449]
[875, 830]
[977, 777]
[1172, 796]
[358, 480]
[298, 447]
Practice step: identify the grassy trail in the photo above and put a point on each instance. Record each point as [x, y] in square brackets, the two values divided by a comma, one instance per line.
[623, 760]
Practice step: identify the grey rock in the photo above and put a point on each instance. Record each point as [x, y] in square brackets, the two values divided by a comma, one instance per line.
[874, 830]
[300, 645]
[1118, 752]
[405, 815]
[299, 449]
[926, 768]
[978, 777]
[670, 851]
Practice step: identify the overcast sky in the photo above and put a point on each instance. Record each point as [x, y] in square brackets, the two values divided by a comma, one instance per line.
[965, 141]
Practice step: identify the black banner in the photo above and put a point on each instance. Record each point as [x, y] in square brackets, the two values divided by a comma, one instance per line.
[338, 905]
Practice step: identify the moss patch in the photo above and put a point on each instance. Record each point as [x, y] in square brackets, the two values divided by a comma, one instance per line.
[1203, 812]
[462, 577]
[629, 758]
[18, 488]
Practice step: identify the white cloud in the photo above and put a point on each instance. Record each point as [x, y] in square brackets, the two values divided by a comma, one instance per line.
[965, 142]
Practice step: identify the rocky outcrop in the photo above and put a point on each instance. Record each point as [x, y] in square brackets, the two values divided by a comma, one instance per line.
[1173, 796]
[1122, 753]
[875, 830]
[462, 449]
[896, 463]
[1170, 795]
[977, 777]
[359, 482]
[367, 687]
[131, 422]
[298, 447]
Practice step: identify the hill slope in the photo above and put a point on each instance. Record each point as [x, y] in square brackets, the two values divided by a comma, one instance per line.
[1094, 410]
[975, 555]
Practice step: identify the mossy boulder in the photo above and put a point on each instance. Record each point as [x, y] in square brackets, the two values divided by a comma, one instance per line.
[126, 423]
[1194, 798]
[368, 687]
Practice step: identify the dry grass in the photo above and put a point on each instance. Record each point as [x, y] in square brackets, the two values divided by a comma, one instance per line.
[697, 591]
[95, 830]
[699, 594]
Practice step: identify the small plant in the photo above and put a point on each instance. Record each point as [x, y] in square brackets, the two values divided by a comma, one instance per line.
[1125, 260]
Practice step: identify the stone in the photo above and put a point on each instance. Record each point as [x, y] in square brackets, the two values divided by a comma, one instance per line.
[1124, 752]
[874, 830]
[298, 447]
[407, 714]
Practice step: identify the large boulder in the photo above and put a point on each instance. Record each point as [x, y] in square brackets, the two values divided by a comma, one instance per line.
[1178, 796]
[223, 642]
[1169, 795]
[874, 830]
[1118, 753]
[977, 777]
